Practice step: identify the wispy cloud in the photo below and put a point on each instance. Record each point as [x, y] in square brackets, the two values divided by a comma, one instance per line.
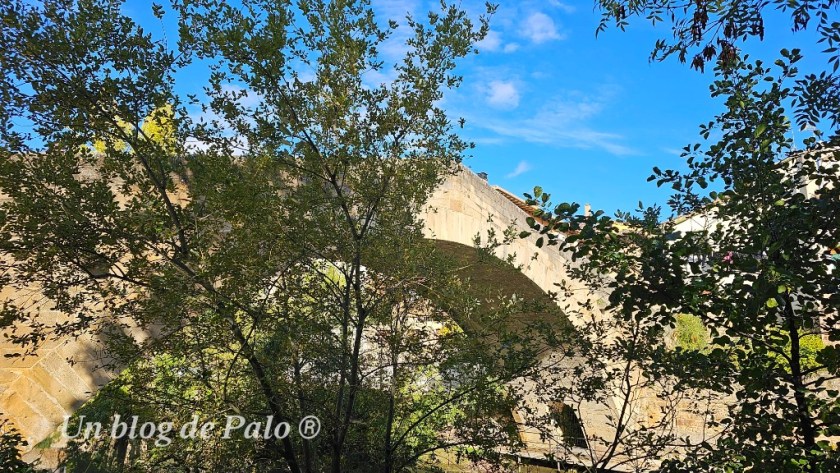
[243, 97]
[493, 42]
[395, 47]
[540, 28]
[484, 140]
[395, 9]
[501, 94]
[563, 123]
[672, 151]
[521, 168]
[563, 6]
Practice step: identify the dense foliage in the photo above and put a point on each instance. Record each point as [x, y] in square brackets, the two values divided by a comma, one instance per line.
[260, 258]
[749, 260]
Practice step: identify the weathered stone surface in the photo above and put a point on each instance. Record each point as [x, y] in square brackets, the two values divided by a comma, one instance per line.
[33, 425]
[67, 376]
[52, 386]
[466, 206]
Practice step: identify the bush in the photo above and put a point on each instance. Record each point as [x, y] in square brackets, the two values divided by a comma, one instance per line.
[690, 333]
[809, 346]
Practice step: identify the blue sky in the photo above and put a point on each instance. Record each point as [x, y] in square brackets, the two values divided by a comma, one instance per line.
[547, 103]
[587, 118]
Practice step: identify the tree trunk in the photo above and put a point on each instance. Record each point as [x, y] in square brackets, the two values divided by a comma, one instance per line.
[805, 423]
[285, 447]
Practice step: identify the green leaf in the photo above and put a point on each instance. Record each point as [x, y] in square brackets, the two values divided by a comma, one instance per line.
[772, 303]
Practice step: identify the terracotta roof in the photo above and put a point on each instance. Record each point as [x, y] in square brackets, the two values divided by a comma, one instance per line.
[528, 209]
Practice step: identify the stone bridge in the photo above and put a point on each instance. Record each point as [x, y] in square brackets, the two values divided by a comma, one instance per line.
[37, 392]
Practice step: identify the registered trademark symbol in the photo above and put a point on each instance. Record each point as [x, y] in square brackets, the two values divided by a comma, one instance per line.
[309, 427]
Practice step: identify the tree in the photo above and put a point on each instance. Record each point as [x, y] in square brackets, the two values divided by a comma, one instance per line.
[720, 33]
[629, 383]
[246, 263]
[753, 266]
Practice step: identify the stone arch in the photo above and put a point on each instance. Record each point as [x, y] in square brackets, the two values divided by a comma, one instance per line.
[38, 391]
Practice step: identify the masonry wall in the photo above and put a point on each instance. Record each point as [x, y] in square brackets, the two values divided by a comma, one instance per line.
[466, 205]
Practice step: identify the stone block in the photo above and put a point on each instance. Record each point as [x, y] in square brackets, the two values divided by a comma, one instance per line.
[32, 425]
[39, 399]
[61, 369]
[16, 362]
[52, 385]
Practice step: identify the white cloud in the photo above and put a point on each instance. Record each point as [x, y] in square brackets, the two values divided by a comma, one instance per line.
[395, 9]
[539, 28]
[484, 140]
[521, 168]
[672, 151]
[502, 94]
[394, 48]
[491, 42]
[244, 97]
[194, 144]
[373, 78]
[540, 74]
[238, 146]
